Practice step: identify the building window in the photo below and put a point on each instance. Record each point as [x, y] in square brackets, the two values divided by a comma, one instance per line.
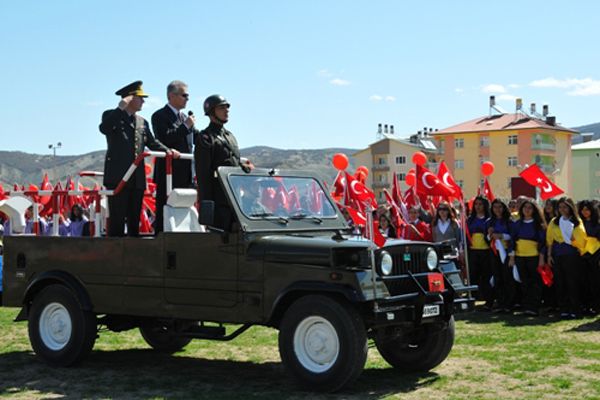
[512, 139]
[381, 161]
[402, 177]
[459, 164]
[441, 146]
[512, 161]
[401, 160]
[459, 143]
[483, 159]
[484, 141]
[460, 183]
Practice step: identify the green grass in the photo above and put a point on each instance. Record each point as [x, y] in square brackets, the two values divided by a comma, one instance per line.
[493, 357]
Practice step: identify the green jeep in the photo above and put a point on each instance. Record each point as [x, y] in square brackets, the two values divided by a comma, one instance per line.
[301, 272]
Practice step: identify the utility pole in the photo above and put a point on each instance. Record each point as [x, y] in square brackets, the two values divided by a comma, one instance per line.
[53, 147]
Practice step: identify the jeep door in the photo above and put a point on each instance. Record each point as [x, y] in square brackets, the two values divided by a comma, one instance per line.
[201, 269]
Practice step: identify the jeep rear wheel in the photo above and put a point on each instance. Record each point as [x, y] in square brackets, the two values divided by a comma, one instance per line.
[421, 352]
[162, 338]
[60, 332]
[322, 343]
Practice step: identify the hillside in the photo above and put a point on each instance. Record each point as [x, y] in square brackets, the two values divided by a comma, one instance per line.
[25, 168]
[595, 128]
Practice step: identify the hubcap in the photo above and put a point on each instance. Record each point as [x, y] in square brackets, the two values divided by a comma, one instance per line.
[55, 326]
[316, 344]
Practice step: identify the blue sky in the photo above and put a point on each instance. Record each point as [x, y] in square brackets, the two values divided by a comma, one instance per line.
[303, 74]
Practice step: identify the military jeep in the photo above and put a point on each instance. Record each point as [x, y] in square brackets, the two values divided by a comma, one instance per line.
[288, 262]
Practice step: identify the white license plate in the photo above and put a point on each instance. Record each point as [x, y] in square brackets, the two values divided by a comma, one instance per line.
[431, 311]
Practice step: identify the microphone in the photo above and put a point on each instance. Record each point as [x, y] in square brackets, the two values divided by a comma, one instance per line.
[190, 113]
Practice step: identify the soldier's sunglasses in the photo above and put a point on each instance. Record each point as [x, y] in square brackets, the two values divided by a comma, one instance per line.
[186, 95]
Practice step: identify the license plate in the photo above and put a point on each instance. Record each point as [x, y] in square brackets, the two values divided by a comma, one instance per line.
[431, 311]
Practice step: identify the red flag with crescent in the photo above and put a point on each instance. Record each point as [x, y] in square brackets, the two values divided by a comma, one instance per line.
[359, 192]
[487, 190]
[430, 184]
[535, 177]
[447, 179]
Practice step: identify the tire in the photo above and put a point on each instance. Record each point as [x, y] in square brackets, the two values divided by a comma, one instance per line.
[338, 332]
[422, 353]
[60, 332]
[161, 338]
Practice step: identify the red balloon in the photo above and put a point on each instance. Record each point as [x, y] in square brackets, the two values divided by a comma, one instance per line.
[410, 179]
[340, 161]
[487, 168]
[419, 158]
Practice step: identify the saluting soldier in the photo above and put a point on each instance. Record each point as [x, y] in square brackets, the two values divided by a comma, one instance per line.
[176, 130]
[127, 133]
[216, 147]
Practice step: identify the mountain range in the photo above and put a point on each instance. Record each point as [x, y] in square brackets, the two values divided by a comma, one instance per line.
[24, 168]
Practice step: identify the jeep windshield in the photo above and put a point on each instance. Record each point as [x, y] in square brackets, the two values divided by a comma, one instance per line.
[281, 198]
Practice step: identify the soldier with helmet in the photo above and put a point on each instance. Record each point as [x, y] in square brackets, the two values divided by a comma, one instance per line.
[216, 147]
[127, 133]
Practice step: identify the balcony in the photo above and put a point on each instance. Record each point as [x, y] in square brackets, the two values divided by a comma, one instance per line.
[381, 185]
[547, 169]
[379, 167]
[543, 146]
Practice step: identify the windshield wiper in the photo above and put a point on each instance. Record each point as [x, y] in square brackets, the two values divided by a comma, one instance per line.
[270, 215]
[305, 216]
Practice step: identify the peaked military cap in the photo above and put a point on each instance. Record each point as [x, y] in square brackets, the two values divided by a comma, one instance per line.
[134, 89]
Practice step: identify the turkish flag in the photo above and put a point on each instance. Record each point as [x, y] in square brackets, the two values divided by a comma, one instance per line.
[429, 184]
[487, 190]
[398, 198]
[3, 195]
[535, 177]
[359, 192]
[409, 198]
[45, 186]
[339, 186]
[447, 178]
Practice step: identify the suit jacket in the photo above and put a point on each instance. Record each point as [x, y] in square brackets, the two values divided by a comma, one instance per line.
[124, 144]
[174, 134]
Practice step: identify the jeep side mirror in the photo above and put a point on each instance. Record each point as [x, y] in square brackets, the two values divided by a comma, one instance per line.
[207, 213]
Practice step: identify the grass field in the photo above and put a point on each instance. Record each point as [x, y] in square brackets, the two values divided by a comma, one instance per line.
[493, 357]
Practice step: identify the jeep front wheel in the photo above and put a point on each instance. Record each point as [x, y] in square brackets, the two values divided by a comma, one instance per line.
[60, 332]
[322, 343]
[421, 351]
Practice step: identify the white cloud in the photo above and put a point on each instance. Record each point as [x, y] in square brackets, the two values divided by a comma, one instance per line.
[390, 98]
[577, 87]
[514, 85]
[324, 73]
[459, 90]
[507, 96]
[375, 97]
[339, 82]
[493, 88]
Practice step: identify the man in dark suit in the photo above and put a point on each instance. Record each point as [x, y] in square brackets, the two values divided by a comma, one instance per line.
[126, 136]
[174, 129]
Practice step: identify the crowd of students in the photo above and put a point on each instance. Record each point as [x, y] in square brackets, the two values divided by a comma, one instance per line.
[77, 224]
[524, 259]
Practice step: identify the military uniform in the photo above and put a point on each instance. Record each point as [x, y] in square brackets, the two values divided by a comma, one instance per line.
[215, 147]
[126, 137]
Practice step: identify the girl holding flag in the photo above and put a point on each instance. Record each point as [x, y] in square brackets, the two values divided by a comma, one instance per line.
[498, 236]
[479, 250]
[528, 235]
[566, 239]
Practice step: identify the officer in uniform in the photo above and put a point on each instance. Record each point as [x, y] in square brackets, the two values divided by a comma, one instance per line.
[176, 130]
[216, 147]
[126, 135]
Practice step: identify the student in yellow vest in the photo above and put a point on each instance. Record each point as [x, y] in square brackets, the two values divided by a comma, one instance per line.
[528, 234]
[566, 241]
[590, 215]
[480, 268]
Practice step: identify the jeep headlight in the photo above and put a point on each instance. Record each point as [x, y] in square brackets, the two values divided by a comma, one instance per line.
[432, 258]
[387, 264]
